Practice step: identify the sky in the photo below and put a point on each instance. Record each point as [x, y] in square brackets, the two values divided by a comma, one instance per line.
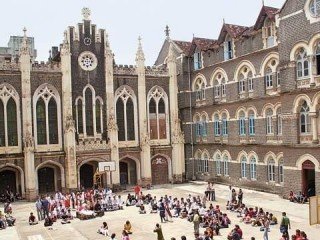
[125, 21]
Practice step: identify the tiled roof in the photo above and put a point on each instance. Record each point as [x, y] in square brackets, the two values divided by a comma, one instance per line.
[204, 43]
[271, 11]
[235, 30]
[183, 45]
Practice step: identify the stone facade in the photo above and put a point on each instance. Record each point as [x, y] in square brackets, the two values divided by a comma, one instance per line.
[62, 119]
[248, 101]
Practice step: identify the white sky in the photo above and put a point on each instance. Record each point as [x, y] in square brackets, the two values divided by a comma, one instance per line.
[125, 20]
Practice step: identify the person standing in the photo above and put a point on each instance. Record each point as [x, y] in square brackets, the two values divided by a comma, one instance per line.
[162, 211]
[240, 196]
[45, 206]
[230, 196]
[196, 222]
[266, 225]
[285, 224]
[158, 230]
[39, 209]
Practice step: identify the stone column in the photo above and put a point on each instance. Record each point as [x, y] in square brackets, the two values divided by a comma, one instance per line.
[312, 69]
[112, 127]
[28, 140]
[68, 122]
[143, 126]
[177, 137]
[314, 125]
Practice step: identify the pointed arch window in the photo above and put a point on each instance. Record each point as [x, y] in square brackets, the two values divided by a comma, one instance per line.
[242, 124]
[269, 121]
[271, 170]
[224, 125]
[228, 48]
[47, 112]
[218, 164]
[158, 113]
[126, 113]
[223, 87]
[8, 116]
[305, 121]
[200, 90]
[253, 168]
[243, 167]
[226, 165]
[279, 121]
[302, 64]
[315, 8]
[252, 129]
[89, 113]
[216, 122]
[216, 89]
[281, 171]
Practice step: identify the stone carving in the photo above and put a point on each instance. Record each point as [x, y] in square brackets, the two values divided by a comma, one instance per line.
[140, 54]
[28, 141]
[86, 13]
[65, 49]
[159, 161]
[145, 140]
[89, 145]
[9, 66]
[24, 50]
[69, 124]
[112, 124]
[178, 137]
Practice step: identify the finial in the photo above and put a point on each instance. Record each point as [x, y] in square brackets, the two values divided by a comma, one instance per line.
[167, 31]
[224, 21]
[25, 32]
[65, 35]
[86, 13]
[262, 2]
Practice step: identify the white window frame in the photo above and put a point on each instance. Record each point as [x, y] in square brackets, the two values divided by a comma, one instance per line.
[226, 165]
[197, 60]
[217, 128]
[243, 167]
[224, 124]
[304, 112]
[46, 92]
[271, 170]
[253, 168]
[269, 80]
[302, 59]
[6, 92]
[269, 121]
[242, 125]
[314, 8]
[250, 84]
[218, 164]
[251, 123]
[281, 171]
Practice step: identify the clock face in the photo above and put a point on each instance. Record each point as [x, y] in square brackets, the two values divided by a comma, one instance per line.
[87, 61]
[87, 41]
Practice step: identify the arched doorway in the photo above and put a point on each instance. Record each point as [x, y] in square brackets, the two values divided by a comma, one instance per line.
[128, 172]
[308, 178]
[46, 180]
[86, 175]
[8, 181]
[160, 173]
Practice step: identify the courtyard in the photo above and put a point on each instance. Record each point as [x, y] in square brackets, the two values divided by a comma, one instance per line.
[143, 225]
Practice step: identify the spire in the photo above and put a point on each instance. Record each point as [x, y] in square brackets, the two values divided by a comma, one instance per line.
[65, 49]
[167, 31]
[25, 47]
[86, 13]
[140, 54]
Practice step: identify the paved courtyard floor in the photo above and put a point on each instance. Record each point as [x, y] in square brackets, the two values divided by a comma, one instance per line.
[143, 225]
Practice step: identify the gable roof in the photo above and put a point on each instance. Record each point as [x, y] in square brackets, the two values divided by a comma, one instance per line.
[266, 12]
[183, 45]
[233, 30]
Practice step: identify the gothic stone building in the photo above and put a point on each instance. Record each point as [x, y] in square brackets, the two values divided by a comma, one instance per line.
[247, 103]
[250, 100]
[59, 120]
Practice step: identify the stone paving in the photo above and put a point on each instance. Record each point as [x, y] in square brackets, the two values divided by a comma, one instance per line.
[143, 225]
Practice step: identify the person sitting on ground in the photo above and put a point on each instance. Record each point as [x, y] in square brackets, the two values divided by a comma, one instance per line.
[291, 197]
[113, 236]
[142, 209]
[32, 219]
[7, 208]
[273, 219]
[104, 229]
[127, 227]
[236, 233]
[3, 222]
[48, 222]
[125, 235]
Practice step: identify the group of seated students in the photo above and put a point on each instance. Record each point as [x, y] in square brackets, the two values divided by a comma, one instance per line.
[6, 218]
[104, 229]
[298, 198]
[299, 235]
